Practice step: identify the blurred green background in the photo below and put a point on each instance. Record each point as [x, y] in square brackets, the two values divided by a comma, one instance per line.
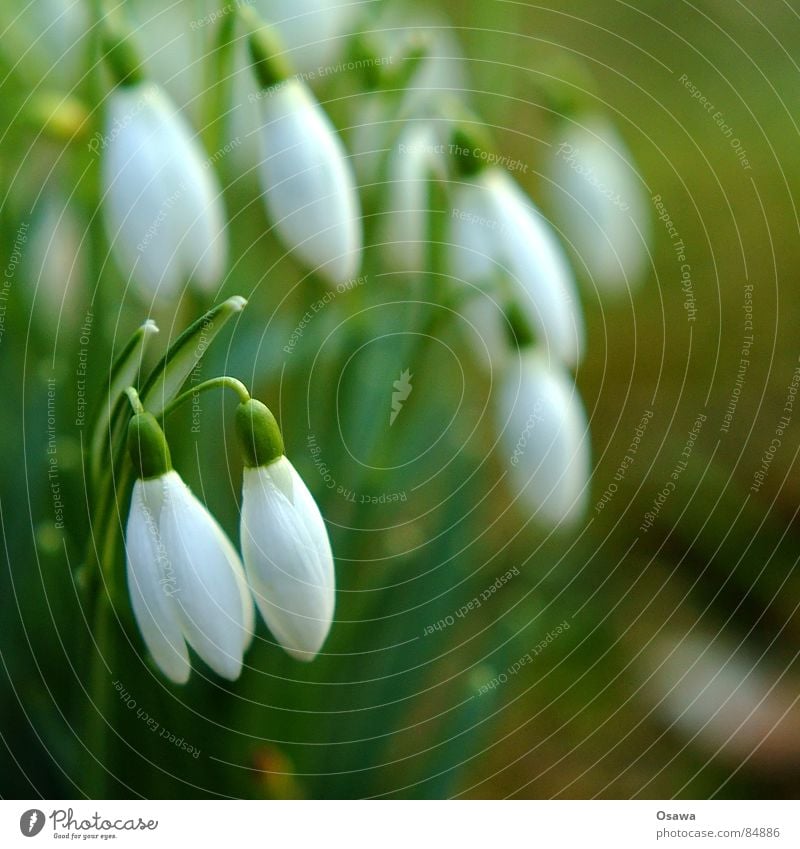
[678, 675]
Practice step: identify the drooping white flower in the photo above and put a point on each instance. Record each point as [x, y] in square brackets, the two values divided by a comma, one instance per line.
[185, 579]
[598, 200]
[285, 546]
[162, 202]
[495, 220]
[308, 185]
[545, 436]
[417, 157]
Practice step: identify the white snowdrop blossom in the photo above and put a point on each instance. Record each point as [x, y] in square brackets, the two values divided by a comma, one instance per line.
[598, 200]
[413, 162]
[545, 435]
[163, 205]
[308, 185]
[496, 231]
[285, 546]
[185, 579]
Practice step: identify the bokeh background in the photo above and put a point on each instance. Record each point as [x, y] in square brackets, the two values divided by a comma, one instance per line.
[678, 673]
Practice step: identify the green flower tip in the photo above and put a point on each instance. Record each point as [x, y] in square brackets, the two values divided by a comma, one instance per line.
[120, 54]
[266, 50]
[259, 434]
[148, 447]
[466, 146]
[520, 334]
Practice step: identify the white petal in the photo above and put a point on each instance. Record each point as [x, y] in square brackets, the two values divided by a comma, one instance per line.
[154, 609]
[206, 571]
[309, 187]
[546, 439]
[162, 202]
[474, 235]
[537, 263]
[599, 202]
[287, 557]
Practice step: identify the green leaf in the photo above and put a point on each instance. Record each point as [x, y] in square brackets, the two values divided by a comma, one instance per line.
[173, 370]
[123, 374]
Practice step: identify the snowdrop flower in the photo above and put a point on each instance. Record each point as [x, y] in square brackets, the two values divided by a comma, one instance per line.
[726, 697]
[185, 579]
[546, 438]
[415, 160]
[287, 554]
[598, 196]
[163, 205]
[308, 184]
[58, 261]
[495, 232]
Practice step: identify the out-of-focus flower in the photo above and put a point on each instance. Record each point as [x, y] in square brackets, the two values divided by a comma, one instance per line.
[287, 554]
[58, 260]
[308, 184]
[497, 232]
[545, 437]
[417, 158]
[185, 579]
[727, 698]
[162, 202]
[46, 40]
[597, 198]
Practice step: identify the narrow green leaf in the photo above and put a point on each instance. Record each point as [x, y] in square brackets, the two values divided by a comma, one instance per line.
[184, 354]
[123, 374]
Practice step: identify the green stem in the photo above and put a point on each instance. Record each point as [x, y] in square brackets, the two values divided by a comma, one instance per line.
[98, 719]
[222, 382]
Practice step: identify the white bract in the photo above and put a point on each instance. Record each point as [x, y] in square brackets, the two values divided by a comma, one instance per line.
[414, 161]
[307, 181]
[287, 557]
[185, 580]
[497, 231]
[598, 200]
[545, 435]
[163, 206]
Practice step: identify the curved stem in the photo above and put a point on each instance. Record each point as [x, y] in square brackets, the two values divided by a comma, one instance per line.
[133, 397]
[223, 382]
